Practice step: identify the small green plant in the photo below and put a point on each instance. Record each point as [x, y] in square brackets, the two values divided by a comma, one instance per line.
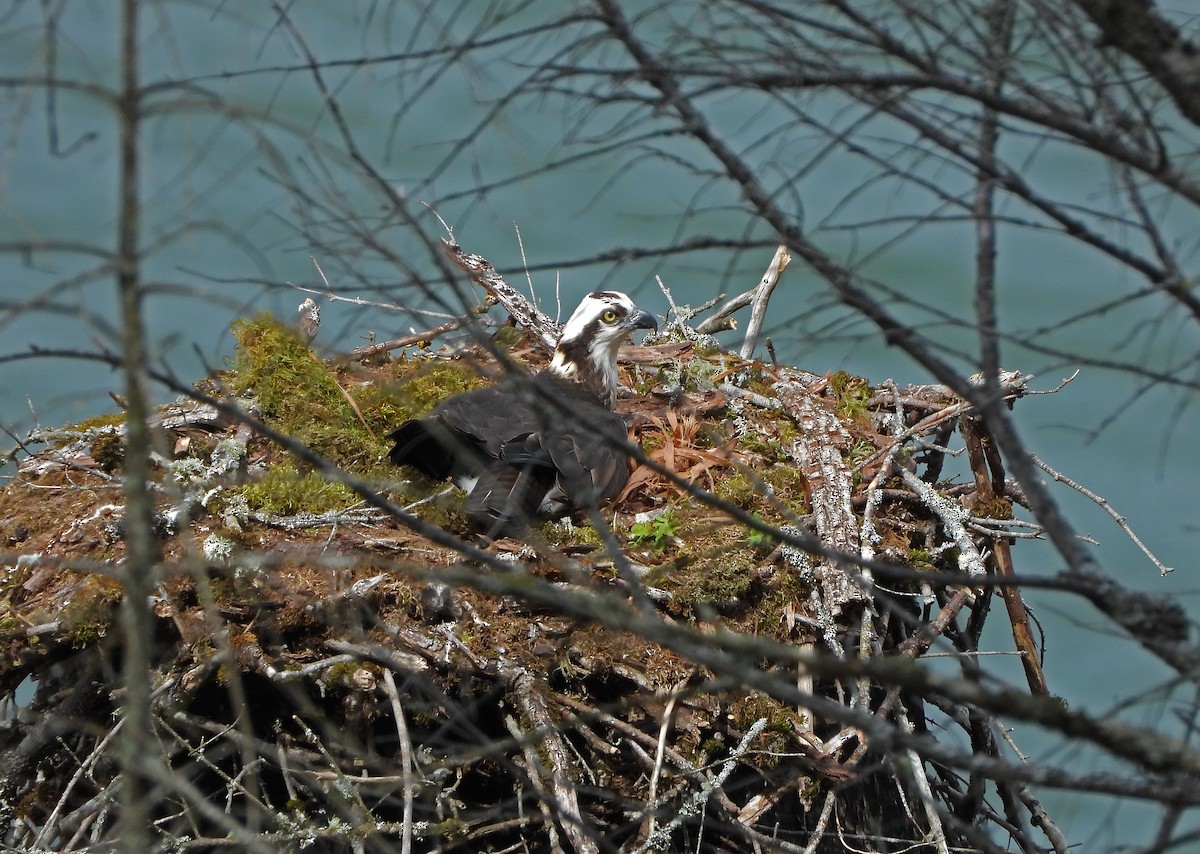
[656, 533]
[757, 539]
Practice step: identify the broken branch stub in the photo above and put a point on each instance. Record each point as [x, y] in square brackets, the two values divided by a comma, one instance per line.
[523, 312]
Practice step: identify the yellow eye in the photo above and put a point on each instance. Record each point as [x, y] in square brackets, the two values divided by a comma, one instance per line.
[609, 316]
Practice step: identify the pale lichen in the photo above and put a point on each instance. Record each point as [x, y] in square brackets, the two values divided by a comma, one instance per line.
[218, 549]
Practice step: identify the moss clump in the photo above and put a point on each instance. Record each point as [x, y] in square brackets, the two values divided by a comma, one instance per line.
[740, 489]
[998, 508]
[11, 628]
[747, 489]
[302, 396]
[853, 393]
[298, 392]
[754, 707]
[753, 441]
[714, 570]
[113, 419]
[421, 390]
[566, 534]
[108, 450]
[510, 337]
[450, 829]
[284, 491]
[288, 381]
[89, 610]
[921, 559]
[697, 374]
[789, 485]
[779, 736]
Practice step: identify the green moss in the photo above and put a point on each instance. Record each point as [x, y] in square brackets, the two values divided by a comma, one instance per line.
[921, 559]
[853, 394]
[780, 718]
[341, 675]
[739, 488]
[89, 610]
[113, 419]
[747, 488]
[789, 485]
[429, 384]
[298, 393]
[752, 441]
[789, 433]
[290, 384]
[108, 450]
[998, 508]
[651, 441]
[565, 534]
[697, 374]
[421, 386]
[509, 337]
[11, 628]
[284, 491]
[715, 568]
[451, 828]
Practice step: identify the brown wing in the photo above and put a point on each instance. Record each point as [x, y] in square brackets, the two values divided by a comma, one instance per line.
[533, 443]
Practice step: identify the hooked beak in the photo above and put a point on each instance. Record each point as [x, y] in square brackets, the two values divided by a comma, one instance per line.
[642, 320]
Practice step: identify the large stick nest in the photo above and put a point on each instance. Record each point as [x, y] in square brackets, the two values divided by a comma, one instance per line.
[330, 677]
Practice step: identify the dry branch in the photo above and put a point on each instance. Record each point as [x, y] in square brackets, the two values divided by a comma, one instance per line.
[762, 296]
[817, 452]
[988, 472]
[522, 311]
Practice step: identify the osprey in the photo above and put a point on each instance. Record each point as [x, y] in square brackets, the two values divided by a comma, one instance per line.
[547, 443]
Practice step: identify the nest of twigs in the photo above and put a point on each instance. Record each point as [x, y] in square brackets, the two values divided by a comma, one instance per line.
[704, 673]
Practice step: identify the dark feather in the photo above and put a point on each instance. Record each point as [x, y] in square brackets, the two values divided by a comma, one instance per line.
[534, 443]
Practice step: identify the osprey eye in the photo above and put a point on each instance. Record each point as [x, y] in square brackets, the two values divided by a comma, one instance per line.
[609, 316]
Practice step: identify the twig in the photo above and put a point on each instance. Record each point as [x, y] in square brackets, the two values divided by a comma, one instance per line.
[309, 669]
[720, 319]
[1040, 819]
[954, 518]
[297, 521]
[664, 731]
[525, 264]
[921, 781]
[1061, 385]
[84, 768]
[1107, 508]
[636, 738]
[369, 351]
[535, 767]
[406, 759]
[661, 838]
[386, 306]
[533, 708]
[818, 832]
[762, 295]
[988, 472]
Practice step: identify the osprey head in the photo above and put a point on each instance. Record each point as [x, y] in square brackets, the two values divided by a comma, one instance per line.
[587, 348]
